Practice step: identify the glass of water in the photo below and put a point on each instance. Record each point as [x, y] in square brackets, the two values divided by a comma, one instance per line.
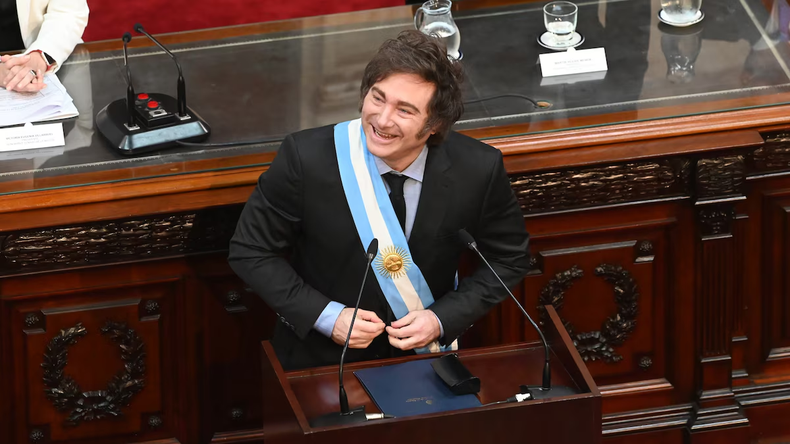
[560, 20]
[680, 11]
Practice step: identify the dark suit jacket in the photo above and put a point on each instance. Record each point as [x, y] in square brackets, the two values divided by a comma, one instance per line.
[296, 244]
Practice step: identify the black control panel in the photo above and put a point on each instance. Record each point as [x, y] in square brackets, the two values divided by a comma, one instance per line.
[152, 113]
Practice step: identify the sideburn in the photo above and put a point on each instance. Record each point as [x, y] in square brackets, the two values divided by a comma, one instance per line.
[429, 125]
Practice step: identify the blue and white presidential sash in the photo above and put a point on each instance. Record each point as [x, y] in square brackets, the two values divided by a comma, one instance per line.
[398, 276]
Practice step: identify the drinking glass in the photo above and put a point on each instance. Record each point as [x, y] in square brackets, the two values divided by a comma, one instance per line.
[560, 20]
[680, 11]
[680, 46]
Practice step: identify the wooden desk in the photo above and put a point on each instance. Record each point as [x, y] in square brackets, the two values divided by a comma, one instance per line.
[294, 399]
[657, 210]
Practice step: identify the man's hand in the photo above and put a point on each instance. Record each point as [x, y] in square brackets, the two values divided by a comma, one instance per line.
[366, 328]
[16, 73]
[417, 329]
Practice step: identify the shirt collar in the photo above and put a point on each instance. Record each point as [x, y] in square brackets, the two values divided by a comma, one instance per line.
[414, 171]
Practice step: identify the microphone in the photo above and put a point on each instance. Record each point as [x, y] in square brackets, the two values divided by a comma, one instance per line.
[143, 122]
[545, 390]
[346, 415]
[130, 96]
[182, 94]
[373, 249]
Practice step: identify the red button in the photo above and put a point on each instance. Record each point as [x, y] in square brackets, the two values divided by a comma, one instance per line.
[142, 96]
[153, 104]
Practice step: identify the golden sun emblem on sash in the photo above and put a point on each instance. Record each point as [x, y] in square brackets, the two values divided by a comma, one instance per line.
[392, 261]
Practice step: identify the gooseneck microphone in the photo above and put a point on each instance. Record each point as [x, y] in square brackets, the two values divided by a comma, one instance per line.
[346, 415]
[182, 94]
[371, 253]
[545, 389]
[130, 96]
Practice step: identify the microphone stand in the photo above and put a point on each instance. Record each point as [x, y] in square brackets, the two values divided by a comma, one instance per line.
[181, 85]
[130, 96]
[346, 415]
[545, 390]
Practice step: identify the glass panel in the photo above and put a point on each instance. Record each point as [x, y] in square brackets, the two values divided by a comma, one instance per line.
[736, 52]
[307, 73]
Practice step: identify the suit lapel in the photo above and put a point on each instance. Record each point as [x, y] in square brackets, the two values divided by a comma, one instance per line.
[434, 198]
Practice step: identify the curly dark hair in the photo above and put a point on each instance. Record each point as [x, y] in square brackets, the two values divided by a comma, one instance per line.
[413, 52]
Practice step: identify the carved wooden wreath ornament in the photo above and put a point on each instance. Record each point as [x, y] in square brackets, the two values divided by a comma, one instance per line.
[66, 394]
[597, 345]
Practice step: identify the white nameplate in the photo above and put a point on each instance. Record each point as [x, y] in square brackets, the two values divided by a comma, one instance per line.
[573, 78]
[31, 136]
[573, 62]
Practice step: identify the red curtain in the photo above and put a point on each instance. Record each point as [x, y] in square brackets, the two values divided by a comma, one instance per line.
[109, 19]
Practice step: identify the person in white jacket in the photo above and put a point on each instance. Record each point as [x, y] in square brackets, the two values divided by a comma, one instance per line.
[48, 31]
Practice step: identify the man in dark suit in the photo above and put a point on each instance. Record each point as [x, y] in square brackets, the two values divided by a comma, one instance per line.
[299, 245]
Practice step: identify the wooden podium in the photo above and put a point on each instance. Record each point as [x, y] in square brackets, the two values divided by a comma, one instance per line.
[292, 399]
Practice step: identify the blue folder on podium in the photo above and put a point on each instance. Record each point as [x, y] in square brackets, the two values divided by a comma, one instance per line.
[411, 388]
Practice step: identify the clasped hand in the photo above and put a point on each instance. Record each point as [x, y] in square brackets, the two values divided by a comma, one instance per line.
[367, 326]
[417, 329]
[16, 73]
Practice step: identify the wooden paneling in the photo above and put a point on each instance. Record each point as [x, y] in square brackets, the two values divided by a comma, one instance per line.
[668, 288]
[236, 321]
[774, 238]
[89, 351]
[740, 321]
[612, 280]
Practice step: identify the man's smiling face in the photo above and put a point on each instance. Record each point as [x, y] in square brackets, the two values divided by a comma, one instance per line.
[394, 114]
